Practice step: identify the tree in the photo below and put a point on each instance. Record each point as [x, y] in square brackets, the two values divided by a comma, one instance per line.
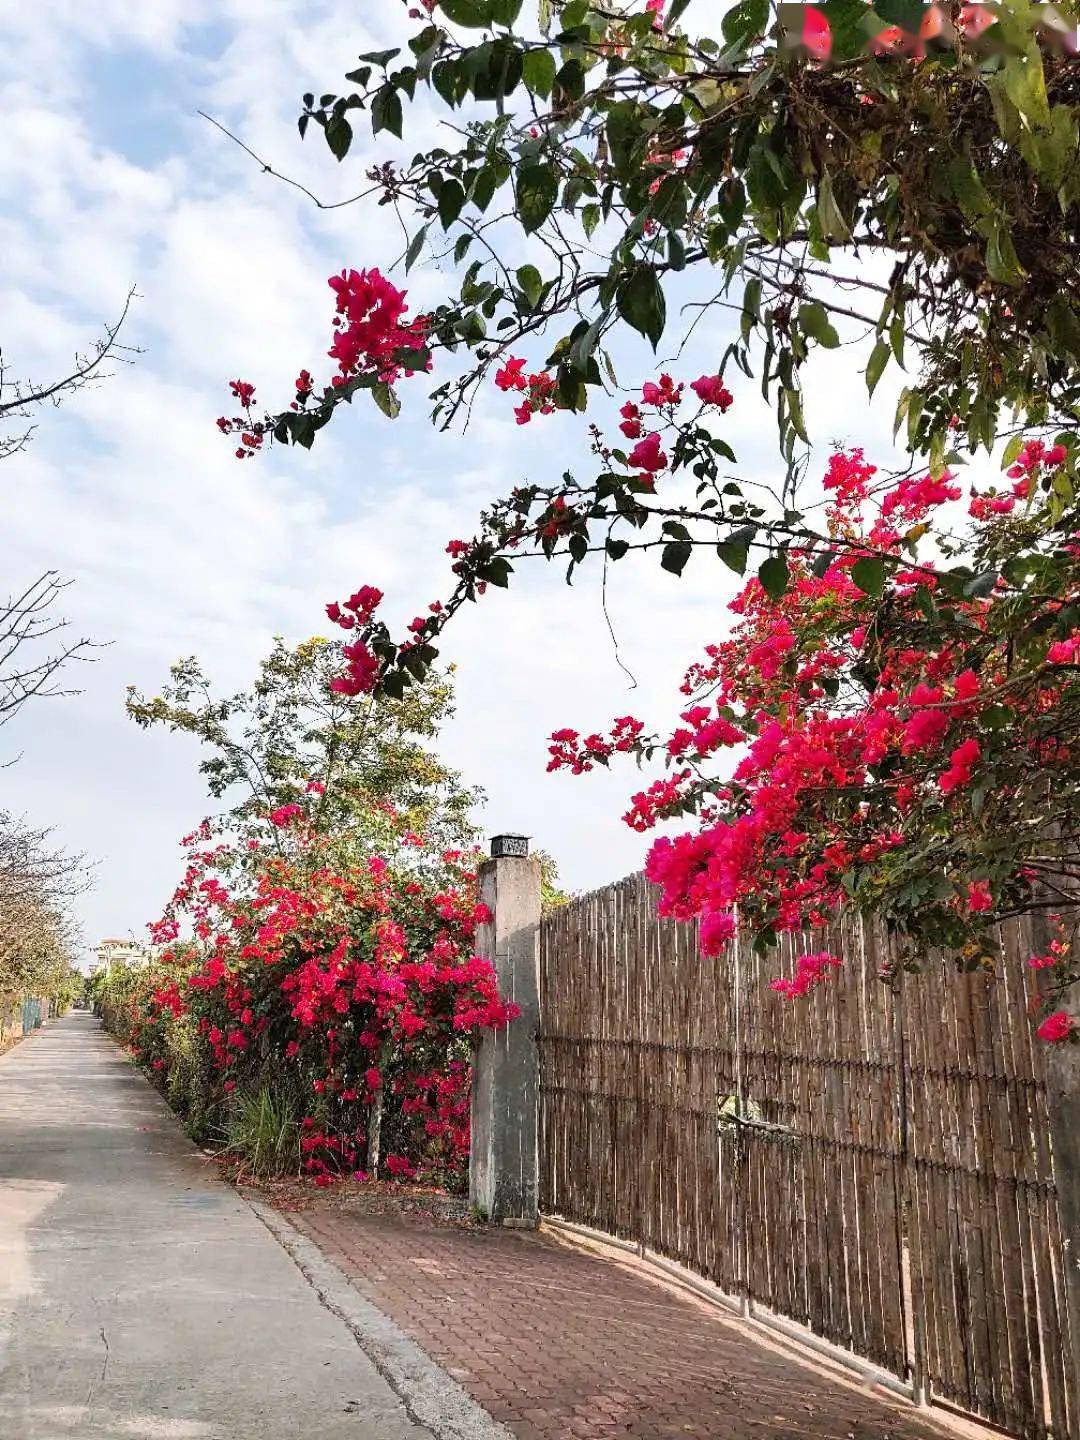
[30, 617]
[21, 399]
[38, 936]
[901, 177]
[635, 152]
[26, 621]
[360, 767]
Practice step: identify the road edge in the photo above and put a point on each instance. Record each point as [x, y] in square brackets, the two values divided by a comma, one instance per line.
[431, 1396]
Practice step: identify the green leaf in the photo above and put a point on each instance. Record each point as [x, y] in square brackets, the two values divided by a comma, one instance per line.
[734, 554]
[640, 301]
[1011, 451]
[339, 136]
[1001, 261]
[833, 224]
[590, 218]
[483, 187]
[531, 282]
[751, 310]
[416, 244]
[847, 26]
[376, 57]
[814, 319]
[625, 127]
[879, 358]
[451, 199]
[745, 20]
[968, 187]
[537, 191]
[538, 69]
[1057, 146]
[494, 68]
[997, 717]
[444, 77]
[473, 14]
[916, 405]
[675, 554]
[1063, 323]
[386, 400]
[774, 576]
[386, 111]
[896, 338]
[907, 14]
[795, 412]
[1025, 85]
[504, 12]
[496, 572]
[868, 573]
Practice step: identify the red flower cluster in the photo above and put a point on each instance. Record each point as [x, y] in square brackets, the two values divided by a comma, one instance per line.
[372, 332]
[816, 34]
[1057, 1027]
[810, 970]
[373, 342]
[843, 729]
[252, 431]
[357, 609]
[537, 388]
[362, 981]
[362, 666]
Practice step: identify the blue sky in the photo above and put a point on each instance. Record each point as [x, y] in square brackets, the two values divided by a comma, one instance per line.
[108, 179]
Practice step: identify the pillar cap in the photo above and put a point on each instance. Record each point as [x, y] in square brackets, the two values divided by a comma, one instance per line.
[504, 846]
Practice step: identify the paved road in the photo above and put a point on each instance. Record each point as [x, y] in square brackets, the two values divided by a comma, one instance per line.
[140, 1298]
[559, 1343]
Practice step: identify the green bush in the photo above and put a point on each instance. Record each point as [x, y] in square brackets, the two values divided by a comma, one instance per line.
[262, 1130]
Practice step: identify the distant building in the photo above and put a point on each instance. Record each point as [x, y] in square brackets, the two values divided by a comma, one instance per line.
[117, 954]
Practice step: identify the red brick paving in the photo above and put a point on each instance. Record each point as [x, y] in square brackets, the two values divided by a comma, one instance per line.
[560, 1343]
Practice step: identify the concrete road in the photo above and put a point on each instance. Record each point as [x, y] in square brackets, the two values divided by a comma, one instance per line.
[139, 1296]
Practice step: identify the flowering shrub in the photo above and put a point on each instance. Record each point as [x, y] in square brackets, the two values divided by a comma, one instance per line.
[900, 736]
[315, 995]
[901, 728]
[355, 992]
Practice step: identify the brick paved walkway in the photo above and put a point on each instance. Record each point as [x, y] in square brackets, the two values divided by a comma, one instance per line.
[560, 1343]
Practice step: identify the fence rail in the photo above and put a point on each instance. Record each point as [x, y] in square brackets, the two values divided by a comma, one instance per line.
[872, 1162]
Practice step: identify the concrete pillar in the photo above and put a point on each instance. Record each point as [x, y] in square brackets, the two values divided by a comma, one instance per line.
[506, 1077]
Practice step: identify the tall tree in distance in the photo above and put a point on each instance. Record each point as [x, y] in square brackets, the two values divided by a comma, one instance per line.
[360, 767]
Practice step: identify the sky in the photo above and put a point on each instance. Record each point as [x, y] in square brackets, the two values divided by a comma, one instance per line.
[109, 180]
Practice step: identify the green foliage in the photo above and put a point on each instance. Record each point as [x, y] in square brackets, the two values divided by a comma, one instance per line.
[552, 895]
[262, 1130]
[738, 154]
[117, 989]
[268, 743]
[190, 1087]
